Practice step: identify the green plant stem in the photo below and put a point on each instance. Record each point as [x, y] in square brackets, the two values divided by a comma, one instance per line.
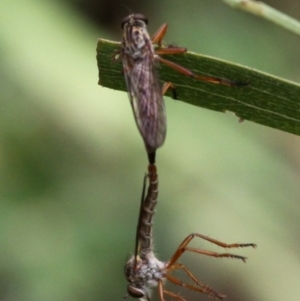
[267, 12]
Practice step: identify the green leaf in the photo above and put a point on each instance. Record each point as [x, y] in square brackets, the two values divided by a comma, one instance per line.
[267, 100]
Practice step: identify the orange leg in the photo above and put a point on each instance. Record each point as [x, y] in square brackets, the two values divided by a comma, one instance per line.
[184, 247]
[198, 287]
[179, 266]
[160, 286]
[175, 296]
[159, 35]
[205, 290]
[166, 86]
[187, 72]
[157, 39]
[162, 291]
[171, 50]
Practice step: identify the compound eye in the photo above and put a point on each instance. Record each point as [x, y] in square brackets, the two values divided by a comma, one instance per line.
[135, 292]
[141, 18]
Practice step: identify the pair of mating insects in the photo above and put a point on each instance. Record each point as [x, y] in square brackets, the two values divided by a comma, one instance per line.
[143, 270]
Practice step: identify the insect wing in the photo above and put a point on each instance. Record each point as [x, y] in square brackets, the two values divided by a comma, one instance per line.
[146, 99]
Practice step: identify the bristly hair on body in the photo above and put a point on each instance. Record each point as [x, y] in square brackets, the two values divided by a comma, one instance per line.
[140, 62]
[144, 271]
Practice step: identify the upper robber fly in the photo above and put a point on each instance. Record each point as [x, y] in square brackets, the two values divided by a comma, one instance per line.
[140, 61]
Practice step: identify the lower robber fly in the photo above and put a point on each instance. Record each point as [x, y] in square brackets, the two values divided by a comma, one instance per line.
[144, 271]
[140, 62]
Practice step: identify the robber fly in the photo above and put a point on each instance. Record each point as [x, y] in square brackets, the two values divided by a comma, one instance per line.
[144, 271]
[140, 61]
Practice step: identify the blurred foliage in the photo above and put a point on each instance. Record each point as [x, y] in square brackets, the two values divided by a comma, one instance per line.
[72, 161]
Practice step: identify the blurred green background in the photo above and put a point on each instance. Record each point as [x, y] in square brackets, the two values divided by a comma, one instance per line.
[72, 161]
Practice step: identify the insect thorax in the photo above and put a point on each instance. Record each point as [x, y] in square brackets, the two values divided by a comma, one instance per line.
[145, 273]
[137, 43]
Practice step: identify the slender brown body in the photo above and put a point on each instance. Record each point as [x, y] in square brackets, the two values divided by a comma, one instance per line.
[140, 62]
[144, 271]
[144, 90]
[148, 205]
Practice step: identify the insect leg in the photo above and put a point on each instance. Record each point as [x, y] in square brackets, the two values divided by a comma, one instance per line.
[210, 79]
[175, 296]
[179, 266]
[168, 85]
[162, 291]
[159, 35]
[170, 50]
[184, 247]
[202, 289]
